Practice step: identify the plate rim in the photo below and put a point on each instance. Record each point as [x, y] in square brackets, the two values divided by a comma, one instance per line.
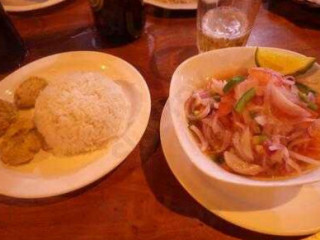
[145, 116]
[191, 193]
[31, 7]
[172, 6]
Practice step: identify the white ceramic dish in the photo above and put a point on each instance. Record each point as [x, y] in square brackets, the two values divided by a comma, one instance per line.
[286, 211]
[28, 5]
[172, 6]
[48, 175]
[191, 75]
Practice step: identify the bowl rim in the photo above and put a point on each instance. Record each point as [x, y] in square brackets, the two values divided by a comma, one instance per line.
[244, 181]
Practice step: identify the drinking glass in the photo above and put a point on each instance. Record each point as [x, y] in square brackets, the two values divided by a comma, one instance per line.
[225, 23]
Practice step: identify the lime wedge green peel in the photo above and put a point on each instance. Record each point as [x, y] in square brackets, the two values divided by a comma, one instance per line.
[287, 63]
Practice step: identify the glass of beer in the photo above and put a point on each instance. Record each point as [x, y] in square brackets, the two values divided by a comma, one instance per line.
[225, 23]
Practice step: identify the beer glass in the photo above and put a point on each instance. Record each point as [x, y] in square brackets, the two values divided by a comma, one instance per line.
[225, 23]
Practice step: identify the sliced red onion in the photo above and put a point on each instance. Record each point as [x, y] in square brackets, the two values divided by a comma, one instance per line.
[286, 153]
[199, 100]
[294, 90]
[277, 156]
[303, 158]
[240, 125]
[204, 94]
[237, 121]
[298, 141]
[255, 108]
[267, 97]
[227, 136]
[202, 114]
[286, 158]
[216, 105]
[290, 78]
[187, 106]
[246, 144]
[288, 82]
[276, 139]
[217, 86]
[192, 103]
[261, 120]
[296, 134]
[294, 165]
[314, 128]
[275, 147]
[215, 125]
[285, 105]
[247, 119]
[206, 121]
[210, 127]
[206, 129]
[311, 97]
[203, 142]
[264, 163]
[308, 120]
[239, 148]
[290, 94]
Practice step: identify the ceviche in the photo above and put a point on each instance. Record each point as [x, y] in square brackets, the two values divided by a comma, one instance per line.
[264, 124]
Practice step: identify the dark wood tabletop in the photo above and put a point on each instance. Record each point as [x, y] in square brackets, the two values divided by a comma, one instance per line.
[141, 199]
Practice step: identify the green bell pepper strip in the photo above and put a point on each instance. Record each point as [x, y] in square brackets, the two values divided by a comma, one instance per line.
[259, 139]
[245, 98]
[232, 83]
[304, 88]
[310, 105]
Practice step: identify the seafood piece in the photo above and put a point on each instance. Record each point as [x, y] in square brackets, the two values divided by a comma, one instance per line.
[240, 166]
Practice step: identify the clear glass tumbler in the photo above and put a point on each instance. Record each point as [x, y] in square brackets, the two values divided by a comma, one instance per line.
[225, 23]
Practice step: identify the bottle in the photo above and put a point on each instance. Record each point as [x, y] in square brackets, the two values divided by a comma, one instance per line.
[119, 21]
[12, 48]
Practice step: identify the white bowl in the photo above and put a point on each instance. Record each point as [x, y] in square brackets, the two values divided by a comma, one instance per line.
[191, 75]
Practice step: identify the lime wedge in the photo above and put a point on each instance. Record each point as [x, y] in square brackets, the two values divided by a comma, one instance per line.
[286, 63]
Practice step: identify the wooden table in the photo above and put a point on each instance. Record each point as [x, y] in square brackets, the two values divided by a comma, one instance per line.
[141, 199]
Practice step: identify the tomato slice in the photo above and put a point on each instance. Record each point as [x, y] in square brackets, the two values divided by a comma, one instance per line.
[226, 105]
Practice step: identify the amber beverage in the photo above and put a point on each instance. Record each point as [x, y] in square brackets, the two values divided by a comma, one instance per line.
[225, 23]
[119, 21]
[12, 49]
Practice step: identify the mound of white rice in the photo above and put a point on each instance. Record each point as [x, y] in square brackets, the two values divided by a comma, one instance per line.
[81, 112]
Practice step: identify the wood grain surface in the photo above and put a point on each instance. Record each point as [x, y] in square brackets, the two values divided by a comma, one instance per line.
[141, 199]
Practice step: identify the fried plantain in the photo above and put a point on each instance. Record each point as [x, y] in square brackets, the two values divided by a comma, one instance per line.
[26, 94]
[7, 115]
[20, 143]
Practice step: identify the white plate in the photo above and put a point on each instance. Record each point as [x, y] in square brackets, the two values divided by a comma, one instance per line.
[287, 211]
[27, 5]
[172, 6]
[48, 175]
